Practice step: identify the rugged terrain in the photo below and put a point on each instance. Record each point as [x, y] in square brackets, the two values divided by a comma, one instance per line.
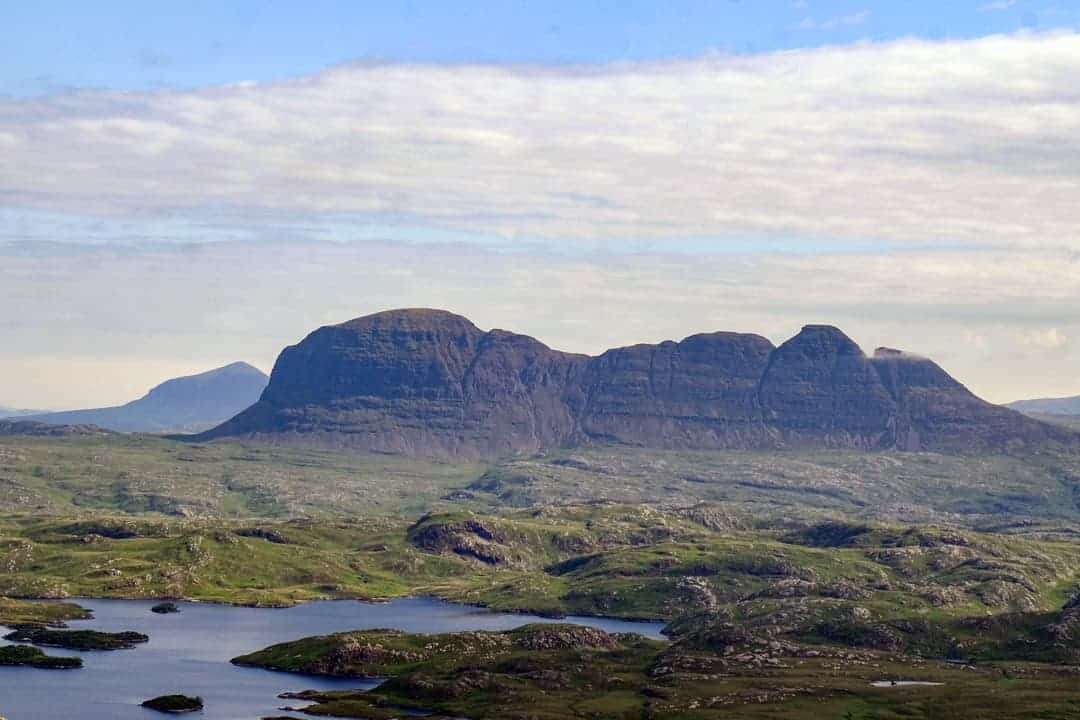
[791, 580]
[562, 672]
[430, 383]
[186, 404]
[595, 559]
[72, 474]
[779, 623]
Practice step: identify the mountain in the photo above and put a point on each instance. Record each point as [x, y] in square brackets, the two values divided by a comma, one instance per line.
[428, 382]
[6, 412]
[187, 404]
[1048, 406]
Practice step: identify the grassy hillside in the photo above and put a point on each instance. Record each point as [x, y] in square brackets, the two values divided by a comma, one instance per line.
[624, 561]
[144, 474]
[141, 474]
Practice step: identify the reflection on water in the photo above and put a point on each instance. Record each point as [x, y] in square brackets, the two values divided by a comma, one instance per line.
[189, 653]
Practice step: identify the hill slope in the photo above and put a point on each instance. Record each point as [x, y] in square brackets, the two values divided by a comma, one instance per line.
[29, 428]
[427, 382]
[1048, 406]
[190, 403]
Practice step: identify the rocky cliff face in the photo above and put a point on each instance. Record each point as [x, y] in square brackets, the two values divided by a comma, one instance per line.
[819, 387]
[427, 382]
[701, 392]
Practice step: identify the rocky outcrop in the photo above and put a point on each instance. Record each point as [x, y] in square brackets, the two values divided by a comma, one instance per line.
[562, 637]
[428, 382]
[471, 539]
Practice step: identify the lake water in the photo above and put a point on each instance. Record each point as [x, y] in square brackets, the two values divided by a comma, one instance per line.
[189, 653]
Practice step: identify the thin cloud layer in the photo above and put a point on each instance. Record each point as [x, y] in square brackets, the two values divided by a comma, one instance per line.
[95, 325]
[974, 142]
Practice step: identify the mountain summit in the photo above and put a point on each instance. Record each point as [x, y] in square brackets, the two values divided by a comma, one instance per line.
[189, 404]
[428, 382]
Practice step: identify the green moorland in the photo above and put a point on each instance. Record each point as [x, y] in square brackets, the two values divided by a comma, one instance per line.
[561, 672]
[617, 560]
[791, 580]
[81, 475]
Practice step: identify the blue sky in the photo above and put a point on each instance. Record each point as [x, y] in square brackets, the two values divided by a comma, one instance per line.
[208, 183]
[50, 46]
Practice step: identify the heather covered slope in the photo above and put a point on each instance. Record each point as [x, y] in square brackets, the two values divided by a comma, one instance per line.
[430, 383]
[182, 404]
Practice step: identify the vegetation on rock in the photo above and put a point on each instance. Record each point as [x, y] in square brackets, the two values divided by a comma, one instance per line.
[75, 639]
[32, 657]
[52, 614]
[558, 672]
[174, 704]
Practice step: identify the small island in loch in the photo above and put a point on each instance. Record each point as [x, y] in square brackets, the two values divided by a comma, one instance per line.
[174, 704]
[165, 608]
[32, 657]
[75, 639]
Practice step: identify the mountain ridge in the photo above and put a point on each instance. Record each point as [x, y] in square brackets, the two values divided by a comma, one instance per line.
[429, 382]
[189, 403]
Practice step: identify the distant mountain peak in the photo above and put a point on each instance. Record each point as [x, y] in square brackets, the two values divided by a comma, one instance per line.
[238, 366]
[189, 403]
[429, 382]
[823, 338]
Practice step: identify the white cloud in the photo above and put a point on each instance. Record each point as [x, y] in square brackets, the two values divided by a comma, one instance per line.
[925, 194]
[1046, 339]
[975, 340]
[997, 6]
[910, 142]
